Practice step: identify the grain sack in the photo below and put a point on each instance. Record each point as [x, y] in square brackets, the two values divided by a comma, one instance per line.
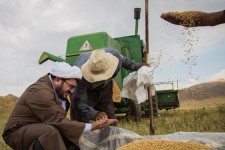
[147, 144]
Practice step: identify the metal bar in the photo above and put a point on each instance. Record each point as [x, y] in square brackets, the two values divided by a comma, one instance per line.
[136, 27]
[137, 14]
[151, 126]
[146, 26]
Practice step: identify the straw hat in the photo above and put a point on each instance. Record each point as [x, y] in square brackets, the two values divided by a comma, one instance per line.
[100, 66]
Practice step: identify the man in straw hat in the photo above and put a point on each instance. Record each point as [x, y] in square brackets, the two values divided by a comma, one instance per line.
[38, 120]
[93, 96]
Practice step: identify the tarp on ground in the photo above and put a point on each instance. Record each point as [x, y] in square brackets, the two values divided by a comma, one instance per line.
[111, 138]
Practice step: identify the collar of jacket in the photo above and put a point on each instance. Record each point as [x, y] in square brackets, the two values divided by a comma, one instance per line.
[49, 81]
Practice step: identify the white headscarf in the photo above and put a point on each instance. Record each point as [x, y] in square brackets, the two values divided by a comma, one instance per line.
[64, 70]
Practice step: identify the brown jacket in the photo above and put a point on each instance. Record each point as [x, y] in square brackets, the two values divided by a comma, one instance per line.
[40, 104]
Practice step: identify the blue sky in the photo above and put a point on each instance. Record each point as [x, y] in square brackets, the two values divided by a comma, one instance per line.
[29, 27]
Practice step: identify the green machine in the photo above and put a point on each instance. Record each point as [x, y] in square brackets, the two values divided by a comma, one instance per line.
[129, 46]
[167, 97]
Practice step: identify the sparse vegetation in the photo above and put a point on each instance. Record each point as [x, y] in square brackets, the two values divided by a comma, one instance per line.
[204, 119]
[6, 105]
[198, 120]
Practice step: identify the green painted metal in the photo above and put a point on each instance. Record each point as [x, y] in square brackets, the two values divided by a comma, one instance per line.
[134, 45]
[129, 46]
[137, 14]
[47, 56]
[96, 40]
[168, 99]
[121, 109]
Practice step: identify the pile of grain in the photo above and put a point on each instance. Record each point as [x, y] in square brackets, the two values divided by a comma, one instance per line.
[187, 18]
[148, 144]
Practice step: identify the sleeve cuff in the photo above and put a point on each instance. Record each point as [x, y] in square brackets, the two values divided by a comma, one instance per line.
[87, 127]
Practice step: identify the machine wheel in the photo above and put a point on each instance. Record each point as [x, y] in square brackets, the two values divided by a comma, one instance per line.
[134, 111]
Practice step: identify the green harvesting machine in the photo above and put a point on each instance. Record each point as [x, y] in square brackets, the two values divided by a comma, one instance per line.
[131, 46]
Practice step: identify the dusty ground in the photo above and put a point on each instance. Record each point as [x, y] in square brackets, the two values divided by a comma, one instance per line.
[206, 103]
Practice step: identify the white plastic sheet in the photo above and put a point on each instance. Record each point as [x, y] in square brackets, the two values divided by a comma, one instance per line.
[111, 138]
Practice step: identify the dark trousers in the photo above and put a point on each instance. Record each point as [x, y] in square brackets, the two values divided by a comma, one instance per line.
[38, 136]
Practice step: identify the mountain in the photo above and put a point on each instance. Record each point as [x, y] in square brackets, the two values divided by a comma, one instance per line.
[10, 96]
[202, 91]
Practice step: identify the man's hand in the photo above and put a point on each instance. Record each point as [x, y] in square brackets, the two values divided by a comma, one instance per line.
[186, 18]
[171, 17]
[101, 116]
[99, 124]
[194, 18]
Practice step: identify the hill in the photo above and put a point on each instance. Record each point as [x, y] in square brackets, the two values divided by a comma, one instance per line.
[207, 90]
[13, 97]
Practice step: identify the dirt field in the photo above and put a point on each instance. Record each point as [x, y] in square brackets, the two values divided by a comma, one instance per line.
[206, 103]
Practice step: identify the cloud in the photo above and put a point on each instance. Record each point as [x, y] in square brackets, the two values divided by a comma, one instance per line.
[29, 27]
[193, 81]
[217, 76]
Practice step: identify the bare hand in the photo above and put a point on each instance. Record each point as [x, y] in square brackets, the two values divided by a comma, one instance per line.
[186, 18]
[101, 116]
[171, 17]
[99, 124]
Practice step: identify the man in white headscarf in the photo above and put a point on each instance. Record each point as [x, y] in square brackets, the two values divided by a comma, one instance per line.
[38, 120]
